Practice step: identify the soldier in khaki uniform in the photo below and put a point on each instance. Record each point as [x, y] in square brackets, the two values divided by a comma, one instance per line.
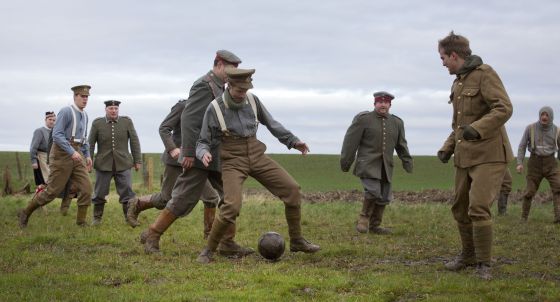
[480, 143]
[69, 159]
[194, 177]
[374, 136]
[230, 125]
[113, 133]
[170, 133]
[543, 140]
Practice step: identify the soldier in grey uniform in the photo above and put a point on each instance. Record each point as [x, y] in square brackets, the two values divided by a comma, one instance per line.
[170, 133]
[38, 149]
[230, 127]
[113, 133]
[374, 136]
[192, 181]
[69, 159]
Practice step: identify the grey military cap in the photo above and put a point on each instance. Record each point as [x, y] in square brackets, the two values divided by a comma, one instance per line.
[383, 96]
[240, 77]
[228, 56]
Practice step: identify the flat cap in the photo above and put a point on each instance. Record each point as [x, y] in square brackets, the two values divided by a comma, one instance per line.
[112, 103]
[228, 56]
[81, 89]
[240, 77]
[383, 96]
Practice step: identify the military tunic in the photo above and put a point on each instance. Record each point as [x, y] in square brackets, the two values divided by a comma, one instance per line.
[371, 140]
[191, 182]
[170, 133]
[63, 169]
[113, 160]
[480, 100]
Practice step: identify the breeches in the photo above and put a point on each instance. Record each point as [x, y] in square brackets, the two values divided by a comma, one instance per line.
[378, 190]
[123, 183]
[475, 190]
[542, 167]
[189, 187]
[243, 158]
[62, 170]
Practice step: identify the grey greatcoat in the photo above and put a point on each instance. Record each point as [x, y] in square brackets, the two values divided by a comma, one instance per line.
[371, 140]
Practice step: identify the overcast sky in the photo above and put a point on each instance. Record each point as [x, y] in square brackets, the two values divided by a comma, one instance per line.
[317, 62]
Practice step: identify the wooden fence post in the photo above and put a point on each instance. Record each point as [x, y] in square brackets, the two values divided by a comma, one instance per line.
[18, 163]
[8, 190]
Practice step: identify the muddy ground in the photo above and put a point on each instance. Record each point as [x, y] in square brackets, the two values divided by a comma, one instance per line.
[431, 195]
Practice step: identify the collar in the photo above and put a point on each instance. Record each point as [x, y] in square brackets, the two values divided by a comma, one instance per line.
[76, 108]
[216, 79]
[107, 120]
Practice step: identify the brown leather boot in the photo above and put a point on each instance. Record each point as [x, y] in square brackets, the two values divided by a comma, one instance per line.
[81, 215]
[376, 219]
[23, 214]
[209, 214]
[502, 203]
[150, 237]
[97, 213]
[526, 208]
[365, 214]
[302, 245]
[556, 205]
[467, 256]
[229, 248]
[65, 204]
[135, 206]
[218, 230]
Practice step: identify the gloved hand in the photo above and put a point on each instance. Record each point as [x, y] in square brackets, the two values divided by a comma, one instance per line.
[470, 134]
[443, 156]
[407, 166]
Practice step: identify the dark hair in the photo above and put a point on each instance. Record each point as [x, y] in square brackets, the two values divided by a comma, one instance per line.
[455, 43]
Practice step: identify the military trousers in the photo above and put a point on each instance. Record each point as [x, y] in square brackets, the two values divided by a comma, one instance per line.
[123, 184]
[209, 196]
[378, 190]
[63, 169]
[245, 157]
[506, 183]
[189, 187]
[539, 167]
[475, 190]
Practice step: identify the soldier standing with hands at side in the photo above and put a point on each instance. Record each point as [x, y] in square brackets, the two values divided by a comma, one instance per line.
[374, 136]
[479, 140]
[113, 133]
[69, 159]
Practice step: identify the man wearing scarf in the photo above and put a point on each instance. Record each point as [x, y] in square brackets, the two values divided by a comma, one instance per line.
[542, 140]
[374, 136]
[480, 143]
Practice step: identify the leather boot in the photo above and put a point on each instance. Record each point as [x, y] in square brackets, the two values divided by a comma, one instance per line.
[302, 245]
[365, 214]
[467, 256]
[297, 242]
[97, 213]
[502, 203]
[135, 206]
[375, 220]
[482, 237]
[81, 215]
[125, 209]
[556, 205]
[65, 204]
[150, 237]
[526, 208]
[23, 214]
[218, 230]
[209, 214]
[229, 248]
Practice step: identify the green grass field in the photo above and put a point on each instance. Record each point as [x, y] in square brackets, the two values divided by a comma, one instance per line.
[55, 260]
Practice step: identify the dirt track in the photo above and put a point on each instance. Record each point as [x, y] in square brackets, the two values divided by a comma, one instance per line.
[432, 195]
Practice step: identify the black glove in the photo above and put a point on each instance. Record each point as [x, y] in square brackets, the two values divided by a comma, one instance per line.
[470, 134]
[443, 156]
[407, 166]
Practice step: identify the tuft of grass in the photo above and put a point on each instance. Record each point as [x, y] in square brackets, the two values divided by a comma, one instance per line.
[55, 260]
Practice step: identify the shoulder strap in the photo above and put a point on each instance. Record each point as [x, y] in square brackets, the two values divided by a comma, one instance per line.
[213, 86]
[532, 136]
[220, 116]
[253, 104]
[73, 123]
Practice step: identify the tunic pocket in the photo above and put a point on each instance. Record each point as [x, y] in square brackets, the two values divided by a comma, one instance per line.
[468, 95]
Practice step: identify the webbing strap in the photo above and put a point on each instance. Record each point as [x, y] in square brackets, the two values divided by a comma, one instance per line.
[533, 137]
[253, 105]
[74, 124]
[220, 116]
